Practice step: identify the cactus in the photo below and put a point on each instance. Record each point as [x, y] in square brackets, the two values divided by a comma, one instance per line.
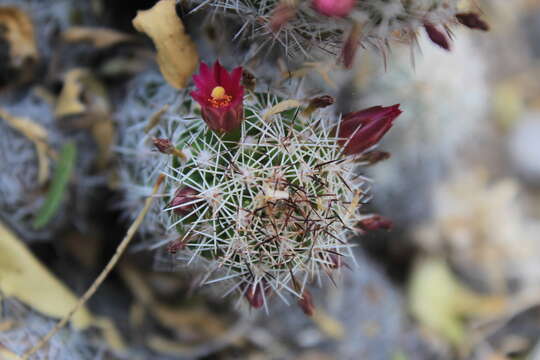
[268, 199]
[311, 28]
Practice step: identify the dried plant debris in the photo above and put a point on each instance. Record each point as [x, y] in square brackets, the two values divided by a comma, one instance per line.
[27, 326]
[23, 192]
[18, 43]
[176, 54]
[38, 135]
[98, 37]
[25, 278]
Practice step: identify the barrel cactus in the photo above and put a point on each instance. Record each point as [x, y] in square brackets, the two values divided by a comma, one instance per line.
[266, 190]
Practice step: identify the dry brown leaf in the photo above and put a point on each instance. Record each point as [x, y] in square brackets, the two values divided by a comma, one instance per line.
[99, 37]
[35, 133]
[69, 101]
[24, 277]
[85, 96]
[18, 30]
[280, 107]
[176, 54]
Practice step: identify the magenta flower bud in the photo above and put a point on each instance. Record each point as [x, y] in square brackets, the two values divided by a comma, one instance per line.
[376, 222]
[306, 303]
[221, 96]
[437, 36]
[334, 8]
[472, 20]
[362, 129]
[182, 196]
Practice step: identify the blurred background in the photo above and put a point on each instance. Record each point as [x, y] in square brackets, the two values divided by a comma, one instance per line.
[457, 277]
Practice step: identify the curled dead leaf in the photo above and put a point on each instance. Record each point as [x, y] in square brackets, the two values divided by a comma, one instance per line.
[18, 31]
[25, 278]
[35, 133]
[69, 101]
[176, 54]
[85, 97]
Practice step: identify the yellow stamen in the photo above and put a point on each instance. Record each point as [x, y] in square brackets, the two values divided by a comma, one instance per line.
[218, 93]
[219, 98]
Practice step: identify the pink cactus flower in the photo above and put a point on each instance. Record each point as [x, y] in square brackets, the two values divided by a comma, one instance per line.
[220, 95]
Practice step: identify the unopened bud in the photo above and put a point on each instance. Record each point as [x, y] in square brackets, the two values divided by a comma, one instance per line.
[437, 36]
[472, 20]
[254, 295]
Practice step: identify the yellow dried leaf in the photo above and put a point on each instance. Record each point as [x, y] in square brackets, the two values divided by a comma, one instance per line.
[24, 277]
[19, 33]
[85, 96]
[69, 101]
[5, 354]
[176, 54]
[99, 37]
[280, 107]
[35, 133]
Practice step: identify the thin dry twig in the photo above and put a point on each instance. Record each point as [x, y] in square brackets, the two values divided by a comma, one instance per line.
[99, 280]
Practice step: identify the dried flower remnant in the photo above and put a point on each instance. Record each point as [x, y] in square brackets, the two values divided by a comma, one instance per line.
[375, 222]
[255, 294]
[306, 303]
[362, 129]
[184, 201]
[282, 14]
[220, 95]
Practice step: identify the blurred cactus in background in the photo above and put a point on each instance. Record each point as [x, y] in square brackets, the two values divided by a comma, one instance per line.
[312, 28]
